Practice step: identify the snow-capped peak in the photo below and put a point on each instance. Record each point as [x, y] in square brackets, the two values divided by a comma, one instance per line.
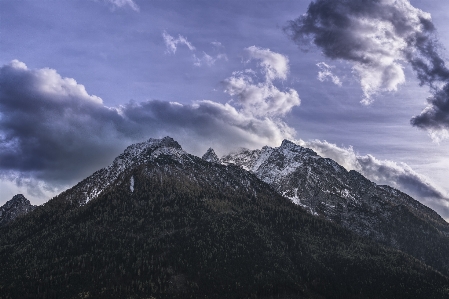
[134, 155]
[152, 148]
[253, 160]
[210, 156]
[288, 144]
[278, 166]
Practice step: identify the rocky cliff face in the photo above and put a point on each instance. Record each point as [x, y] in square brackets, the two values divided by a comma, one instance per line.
[16, 207]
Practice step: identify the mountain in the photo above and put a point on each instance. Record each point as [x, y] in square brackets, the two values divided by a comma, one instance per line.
[16, 207]
[327, 190]
[134, 155]
[161, 223]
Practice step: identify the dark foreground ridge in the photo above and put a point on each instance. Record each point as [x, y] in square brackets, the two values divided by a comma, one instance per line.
[172, 225]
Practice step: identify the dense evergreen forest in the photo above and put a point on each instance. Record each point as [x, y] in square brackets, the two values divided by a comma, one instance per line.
[182, 233]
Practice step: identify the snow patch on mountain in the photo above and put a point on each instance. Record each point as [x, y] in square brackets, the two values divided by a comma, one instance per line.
[272, 165]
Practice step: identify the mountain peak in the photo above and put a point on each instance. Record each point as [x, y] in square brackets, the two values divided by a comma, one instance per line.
[165, 145]
[290, 146]
[170, 142]
[164, 142]
[17, 200]
[134, 155]
[13, 208]
[210, 156]
[19, 197]
[288, 143]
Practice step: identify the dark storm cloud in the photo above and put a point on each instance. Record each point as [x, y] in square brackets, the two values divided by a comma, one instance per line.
[52, 130]
[384, 172]
[377, 37]
[50, 122]
[435, 117]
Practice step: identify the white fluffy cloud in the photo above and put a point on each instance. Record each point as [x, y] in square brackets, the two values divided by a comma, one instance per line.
[379, 77]
[397, 175]
[262, 98]
[275, 65]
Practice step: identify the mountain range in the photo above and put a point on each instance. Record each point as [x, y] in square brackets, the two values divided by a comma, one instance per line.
[271, 223]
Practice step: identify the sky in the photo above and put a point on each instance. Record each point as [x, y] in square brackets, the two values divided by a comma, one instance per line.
[363, 82]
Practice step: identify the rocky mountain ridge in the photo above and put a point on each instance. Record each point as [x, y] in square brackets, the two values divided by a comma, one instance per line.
[155, 152]
[320, 185]
[327, 190]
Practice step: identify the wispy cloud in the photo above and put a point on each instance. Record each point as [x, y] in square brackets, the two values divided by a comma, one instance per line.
[207, 59]
[378, 38]
[172, 43]
[217, 45]
[123, 3]
[204, 59]
[325, 73]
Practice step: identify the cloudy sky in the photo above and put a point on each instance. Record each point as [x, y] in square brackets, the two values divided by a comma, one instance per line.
[363, 82]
